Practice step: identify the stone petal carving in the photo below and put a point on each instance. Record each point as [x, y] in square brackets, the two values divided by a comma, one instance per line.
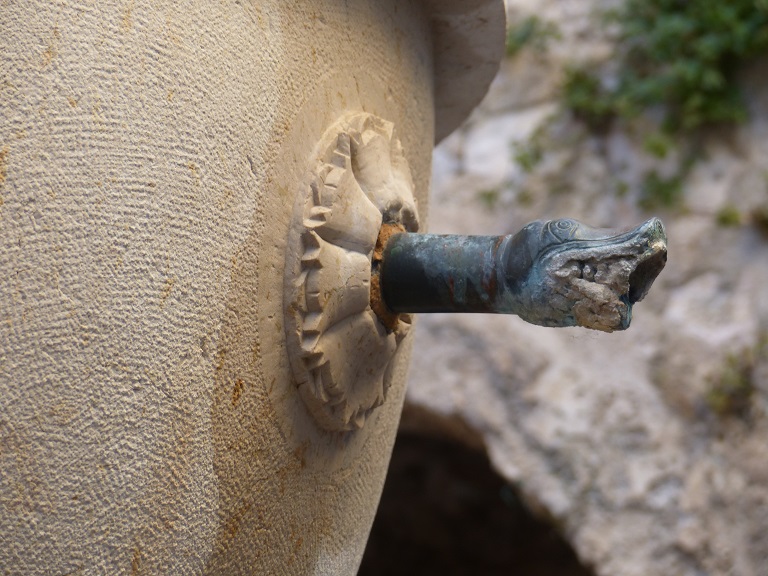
[338, 348]
[379, 164]
[342, 213]
[337, 285]
[351, 387]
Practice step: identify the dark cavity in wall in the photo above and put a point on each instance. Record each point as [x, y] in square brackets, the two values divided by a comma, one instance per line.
[444, 511]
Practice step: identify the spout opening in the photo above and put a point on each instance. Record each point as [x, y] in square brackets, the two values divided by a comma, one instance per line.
[642, 277]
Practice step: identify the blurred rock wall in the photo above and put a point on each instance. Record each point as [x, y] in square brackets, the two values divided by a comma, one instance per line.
[647, 448]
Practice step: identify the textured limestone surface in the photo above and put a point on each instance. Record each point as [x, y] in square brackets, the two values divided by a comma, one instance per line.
[647, 448]
[151, 156]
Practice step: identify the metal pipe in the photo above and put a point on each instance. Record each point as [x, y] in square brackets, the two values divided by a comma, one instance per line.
[451, 273]
[551, 273]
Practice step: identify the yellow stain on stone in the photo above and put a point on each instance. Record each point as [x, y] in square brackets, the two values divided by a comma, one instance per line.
[3, 167]
[48, 55]
[167, 287]
[126, 22]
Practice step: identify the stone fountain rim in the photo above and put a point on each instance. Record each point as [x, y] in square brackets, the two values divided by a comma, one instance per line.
[469, 41]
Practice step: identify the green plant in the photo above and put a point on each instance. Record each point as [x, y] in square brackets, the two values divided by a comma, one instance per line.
[730, 394]
[528, 153]
[525, 197]
[530, 32]
[673, 76]
[662, 192]
[584, 95]
[489, 198]
[728, 216]
[681, 56]
[658, 144]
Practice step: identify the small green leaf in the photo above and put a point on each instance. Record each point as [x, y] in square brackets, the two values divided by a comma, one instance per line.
[728, 216]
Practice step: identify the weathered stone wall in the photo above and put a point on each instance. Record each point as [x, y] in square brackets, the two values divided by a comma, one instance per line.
[649, 448]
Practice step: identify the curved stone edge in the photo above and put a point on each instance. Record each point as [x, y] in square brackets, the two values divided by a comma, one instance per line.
[469, 41]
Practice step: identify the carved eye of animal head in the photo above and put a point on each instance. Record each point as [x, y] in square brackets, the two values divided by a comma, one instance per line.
[559, 230]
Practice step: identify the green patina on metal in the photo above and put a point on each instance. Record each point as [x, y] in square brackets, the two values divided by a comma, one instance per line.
[551, 273]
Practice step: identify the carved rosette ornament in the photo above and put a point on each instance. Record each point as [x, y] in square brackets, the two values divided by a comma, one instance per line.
[339, 348]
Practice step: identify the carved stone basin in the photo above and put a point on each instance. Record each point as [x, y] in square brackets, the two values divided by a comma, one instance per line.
[173, 399]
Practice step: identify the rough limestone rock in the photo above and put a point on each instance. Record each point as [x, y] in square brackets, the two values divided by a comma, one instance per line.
[648, 448]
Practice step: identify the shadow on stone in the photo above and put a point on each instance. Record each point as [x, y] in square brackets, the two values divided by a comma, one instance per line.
[444, 511]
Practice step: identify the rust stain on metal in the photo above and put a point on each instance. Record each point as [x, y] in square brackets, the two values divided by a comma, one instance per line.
[388, 318]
